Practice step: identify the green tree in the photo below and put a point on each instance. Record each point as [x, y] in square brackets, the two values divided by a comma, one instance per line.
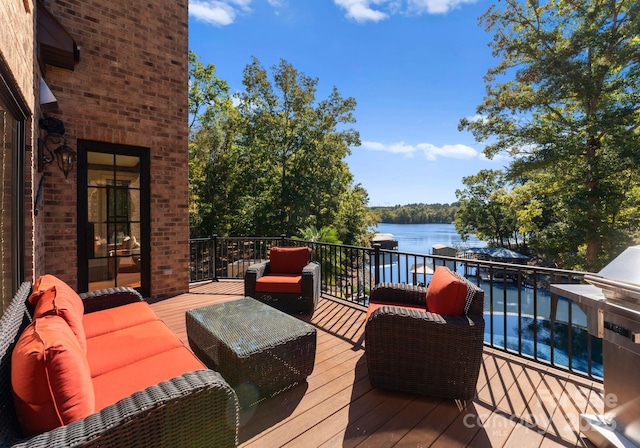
[355, 219]
[275, 162]
[210, 145]
[296, 143]
[322, 235]
[485, 208]
[564, 101]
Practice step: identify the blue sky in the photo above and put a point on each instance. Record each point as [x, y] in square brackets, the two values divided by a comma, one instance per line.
[415, 68]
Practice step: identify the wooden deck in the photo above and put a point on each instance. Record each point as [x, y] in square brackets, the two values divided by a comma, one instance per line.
[519, 403]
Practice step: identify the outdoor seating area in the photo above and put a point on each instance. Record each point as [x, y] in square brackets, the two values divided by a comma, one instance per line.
[102, 369]
[516, 401]
[346, 375]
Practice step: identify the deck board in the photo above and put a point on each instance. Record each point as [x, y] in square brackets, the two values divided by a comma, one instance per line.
[520, 403]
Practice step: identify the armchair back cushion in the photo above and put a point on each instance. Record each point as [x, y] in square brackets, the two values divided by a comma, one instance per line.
[447, 293]
[58, 301]
[288, 260]
[50, 377]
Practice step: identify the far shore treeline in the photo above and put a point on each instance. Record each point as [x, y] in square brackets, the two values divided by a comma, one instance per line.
[417, 213]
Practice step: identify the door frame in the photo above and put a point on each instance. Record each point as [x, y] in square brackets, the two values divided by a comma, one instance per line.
[85, 146]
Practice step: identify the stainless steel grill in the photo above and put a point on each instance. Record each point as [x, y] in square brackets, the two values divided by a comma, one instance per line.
[612, 304]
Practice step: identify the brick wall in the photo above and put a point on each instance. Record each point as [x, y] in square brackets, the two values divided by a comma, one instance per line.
[130, 88]
[17, 44]
[17, 55]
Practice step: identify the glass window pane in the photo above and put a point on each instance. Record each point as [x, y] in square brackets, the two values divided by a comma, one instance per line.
[100, 168]
[8, 130]
[128, 170]
[114, 212]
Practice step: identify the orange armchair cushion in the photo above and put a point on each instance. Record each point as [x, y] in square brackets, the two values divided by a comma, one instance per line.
[60, 300]
[288, 260]
[285, 283]
[446, 294]
[50, 377]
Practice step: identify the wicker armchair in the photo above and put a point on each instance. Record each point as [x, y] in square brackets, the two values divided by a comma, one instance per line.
[195, 409]
[412, 350]
[305, 298]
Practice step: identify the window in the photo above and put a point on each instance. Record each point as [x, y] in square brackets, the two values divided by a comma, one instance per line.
[12, 141]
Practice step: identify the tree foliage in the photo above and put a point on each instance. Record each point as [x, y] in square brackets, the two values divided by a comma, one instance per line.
[210, 140]
[417, 213]
[273, 161]
[563, 100]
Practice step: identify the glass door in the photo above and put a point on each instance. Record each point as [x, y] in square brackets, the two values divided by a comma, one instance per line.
[116, 235]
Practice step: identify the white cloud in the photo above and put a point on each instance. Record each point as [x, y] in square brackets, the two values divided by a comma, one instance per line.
[216, 13]
[476, 117]
[361, 11]
[430, 152]
[435, 6]
[374, 146]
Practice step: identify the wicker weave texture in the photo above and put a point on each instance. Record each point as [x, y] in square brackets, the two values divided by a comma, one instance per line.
[416, 351]
[197, 409]
[258, 349]
[109, 298]
[303, 303]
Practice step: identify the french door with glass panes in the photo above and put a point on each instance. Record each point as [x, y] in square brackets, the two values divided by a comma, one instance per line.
[113, 216]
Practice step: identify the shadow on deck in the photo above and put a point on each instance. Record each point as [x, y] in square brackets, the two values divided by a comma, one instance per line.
[519, 402]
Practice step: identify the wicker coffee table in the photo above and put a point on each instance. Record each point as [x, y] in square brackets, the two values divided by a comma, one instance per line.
[259, 350]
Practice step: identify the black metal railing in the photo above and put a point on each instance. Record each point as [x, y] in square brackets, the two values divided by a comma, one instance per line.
[521, 315]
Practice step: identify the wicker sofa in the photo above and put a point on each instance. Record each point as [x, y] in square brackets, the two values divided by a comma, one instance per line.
[410, 349]
[193, 407]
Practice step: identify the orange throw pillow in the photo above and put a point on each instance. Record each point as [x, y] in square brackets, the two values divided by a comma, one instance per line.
[48, 280]
[50, 377]
[288, 260]
[68, 305]
[446, 294]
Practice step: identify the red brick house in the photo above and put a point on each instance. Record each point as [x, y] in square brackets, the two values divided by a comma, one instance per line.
[113, 77]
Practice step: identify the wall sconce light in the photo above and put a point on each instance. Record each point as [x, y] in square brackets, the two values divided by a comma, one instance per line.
[54, 146]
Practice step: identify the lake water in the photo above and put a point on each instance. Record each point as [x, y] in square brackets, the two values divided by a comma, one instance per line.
[420, 238]
[505, 300]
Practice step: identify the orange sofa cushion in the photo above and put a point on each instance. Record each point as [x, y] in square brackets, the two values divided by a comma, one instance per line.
[50, 377]
[117, 318]
[111, 351]
[281, 283]
[446, 294]
[58, 300]
[120, 383]
[288, 260]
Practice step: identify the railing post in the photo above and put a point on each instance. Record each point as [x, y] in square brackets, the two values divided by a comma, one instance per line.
[376, 263]
[283, 237]
[212, 262]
